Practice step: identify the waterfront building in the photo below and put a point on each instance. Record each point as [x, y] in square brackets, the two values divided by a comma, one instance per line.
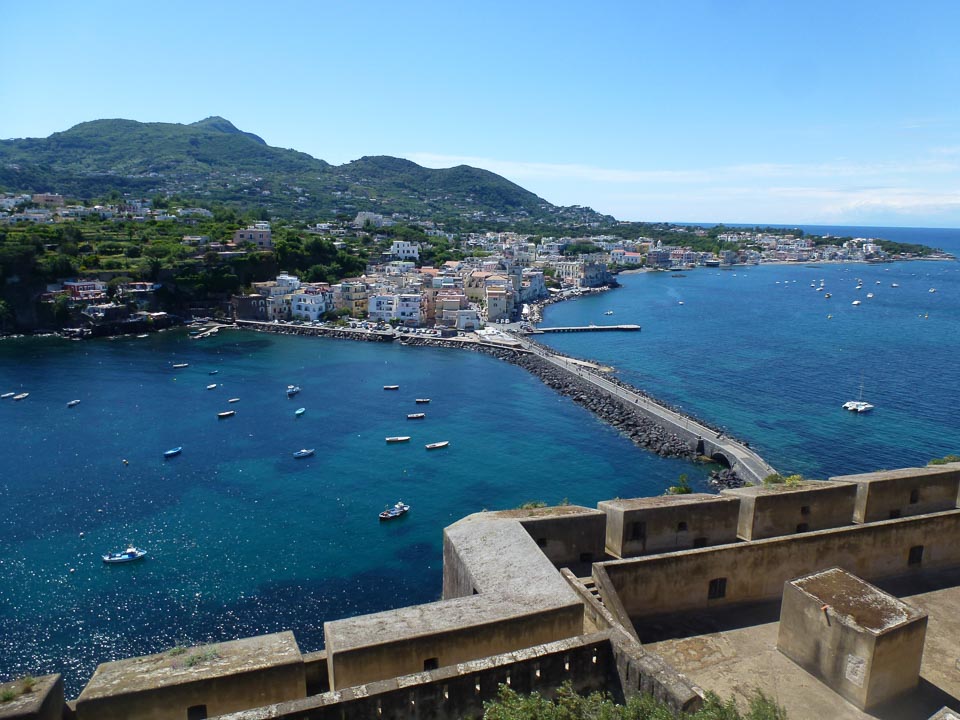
[259, 234]
[351, 295]
[311, 301]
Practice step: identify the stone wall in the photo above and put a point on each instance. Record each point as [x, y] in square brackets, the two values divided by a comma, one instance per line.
[783, 509]
[755, 571]
[907, 491]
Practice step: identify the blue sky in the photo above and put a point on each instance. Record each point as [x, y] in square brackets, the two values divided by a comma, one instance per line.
[702, 111]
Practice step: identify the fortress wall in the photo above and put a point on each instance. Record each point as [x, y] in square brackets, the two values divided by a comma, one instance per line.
[644, 526]
[904, 492]
[457, 580]
[569, 539]
[315, 672]
[590, 662]
[756, 571]
[487, 627]
[777, 510]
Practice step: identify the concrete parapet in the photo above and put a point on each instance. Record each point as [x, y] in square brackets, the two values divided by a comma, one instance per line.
[907, 491]
[590, 662]
[665, 523]
[205, 681]
[864, 643]
[755, 571]
[945, 713]
[771, 511]
[39, 698]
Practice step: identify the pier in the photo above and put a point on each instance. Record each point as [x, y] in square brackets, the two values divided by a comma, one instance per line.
[706, 441]
[588, 328]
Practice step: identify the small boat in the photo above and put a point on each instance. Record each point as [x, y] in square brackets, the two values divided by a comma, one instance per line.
[416, 416]
[213, 372]
[7, 395]
[232, 400]
[894, 285]
[73, 403]
[932, 290]
[680, 302]
[398, 439]
[142, 335]
[437, 445]
[422, 401]
[173, 452]
[128, 555]
[855, 302]
[857, 406]
[211, 386]
[292, 390]
[303, 453]
[299, 411]
[396, 511]
[21, 396]
[391, 387]
[869, 295]
[226, 414]
[177, 366]
[610, 312]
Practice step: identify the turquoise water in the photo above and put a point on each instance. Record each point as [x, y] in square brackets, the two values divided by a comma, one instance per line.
[242, 537]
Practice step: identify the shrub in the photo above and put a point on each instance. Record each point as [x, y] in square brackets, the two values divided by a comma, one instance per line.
[946, 459]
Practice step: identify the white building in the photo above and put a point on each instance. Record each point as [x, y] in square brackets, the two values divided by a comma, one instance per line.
[310, 302]
[405, 250]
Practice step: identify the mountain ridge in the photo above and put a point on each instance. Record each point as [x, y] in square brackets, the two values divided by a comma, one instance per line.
[212, 160]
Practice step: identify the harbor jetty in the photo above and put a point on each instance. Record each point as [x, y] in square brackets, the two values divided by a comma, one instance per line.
[587, 328]
[647, 422]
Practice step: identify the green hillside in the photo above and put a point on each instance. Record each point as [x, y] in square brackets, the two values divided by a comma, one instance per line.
[211, 161]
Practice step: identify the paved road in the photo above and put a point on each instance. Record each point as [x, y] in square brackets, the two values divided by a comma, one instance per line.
[749, 465]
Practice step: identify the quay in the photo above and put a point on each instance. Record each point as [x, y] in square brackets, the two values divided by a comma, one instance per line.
[588, 328]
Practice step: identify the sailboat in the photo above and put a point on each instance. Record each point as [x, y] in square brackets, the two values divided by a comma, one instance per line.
[859, 405]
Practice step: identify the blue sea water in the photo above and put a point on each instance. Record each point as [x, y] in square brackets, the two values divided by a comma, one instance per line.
[244, 539]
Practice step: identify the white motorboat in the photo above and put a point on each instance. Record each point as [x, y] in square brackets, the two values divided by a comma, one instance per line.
[73, 403]
[398, 439]
[437, 445]
[128, 555]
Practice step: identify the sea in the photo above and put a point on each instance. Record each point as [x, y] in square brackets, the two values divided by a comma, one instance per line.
[244, 539]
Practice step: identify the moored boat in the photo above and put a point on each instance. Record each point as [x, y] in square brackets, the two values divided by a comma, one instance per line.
[73, 403]
[303, 453]
[437, 445]
[128, 555]
[213, 372]
[416, 416]
[422, 401]
[232, 400]
[398, 439]
[7, 395]
[211, 386]
[299, 411]
[177, 366]
[396, 511]
[292, 390]
[391, 387]
[173, 452]
[226, 414]
[21, 396]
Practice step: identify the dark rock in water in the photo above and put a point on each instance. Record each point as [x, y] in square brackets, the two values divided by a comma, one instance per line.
[724, 479]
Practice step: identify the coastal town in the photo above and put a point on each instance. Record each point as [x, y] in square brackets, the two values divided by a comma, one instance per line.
[497, 277]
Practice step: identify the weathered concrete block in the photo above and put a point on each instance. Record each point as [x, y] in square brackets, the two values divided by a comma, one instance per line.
[777, 510]
[38, 698]
[862, 642]
[908, 491]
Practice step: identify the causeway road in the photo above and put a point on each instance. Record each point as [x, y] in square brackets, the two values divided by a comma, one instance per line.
[747, 463]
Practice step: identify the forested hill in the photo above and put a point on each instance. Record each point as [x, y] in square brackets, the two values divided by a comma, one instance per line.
[211, 161]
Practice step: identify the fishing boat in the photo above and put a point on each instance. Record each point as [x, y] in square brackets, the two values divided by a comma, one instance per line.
[173, 452]
[7, 395]
[416, 416]
[299, 411]
[422, 401]
[233, 400]
[211, 386]
[303, 453]
[226, 414]
[394, 512]
[128, 555]
[398, 439]
[391, 387]
[292, 390]
[177, 366]
[21, 396]
[73, 403]
[437, 445]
